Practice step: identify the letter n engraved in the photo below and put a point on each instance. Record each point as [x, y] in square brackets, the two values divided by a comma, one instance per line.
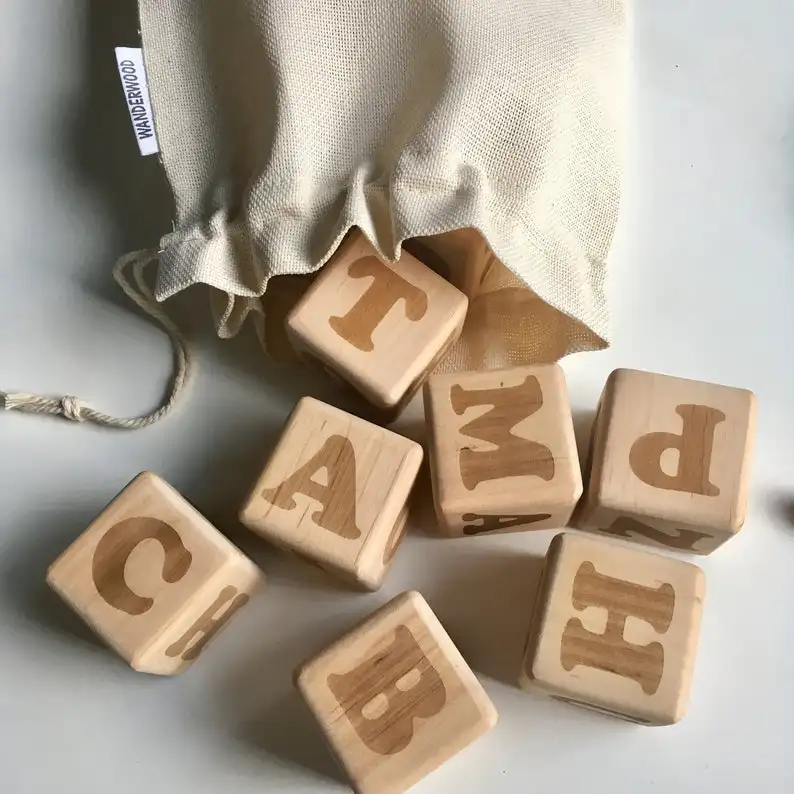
[493, 523]
[695, 446]
[385, 694]
[116, 547]
[609, 651]
[683, 540]
[208, 625]
[338, 498]
[513, 456]
[386, 289]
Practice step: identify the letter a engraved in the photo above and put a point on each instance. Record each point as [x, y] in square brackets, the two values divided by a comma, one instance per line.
[338, 498]
[385, 694]
[493, 523]
[116, 546]
[694, 444]
[609, 651]
[683, 540]
[386, 289]
[513, 456]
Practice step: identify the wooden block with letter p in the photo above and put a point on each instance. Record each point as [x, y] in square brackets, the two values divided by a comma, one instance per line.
[380, 326]
[154, 578]
[615, 629]
[670, 462]
[395, 698]
[502, 450]
[335, 490]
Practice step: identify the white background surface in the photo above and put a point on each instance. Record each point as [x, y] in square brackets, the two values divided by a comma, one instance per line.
[701, 287]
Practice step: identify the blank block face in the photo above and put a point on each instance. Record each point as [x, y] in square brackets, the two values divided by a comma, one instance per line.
[395, 697]
[615, 629]
[382, 327]
[502, 450]
[154, 578]
[335, 490]
[670, 462]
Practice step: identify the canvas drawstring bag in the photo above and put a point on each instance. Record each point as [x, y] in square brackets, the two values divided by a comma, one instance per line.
[483, 135]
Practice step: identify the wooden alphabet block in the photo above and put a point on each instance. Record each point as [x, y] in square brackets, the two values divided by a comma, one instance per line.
[154, 578]
[380, 326]
[335, 490]
[395, 698]
[670, 462]
[502, 450]
[615, 629]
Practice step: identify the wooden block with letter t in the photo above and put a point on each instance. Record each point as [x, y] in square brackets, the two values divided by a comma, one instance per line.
[380, 326]
[154, 578]
[335, 490]
[395, 698]
[670, 462]
[615, 629]
[502, 450]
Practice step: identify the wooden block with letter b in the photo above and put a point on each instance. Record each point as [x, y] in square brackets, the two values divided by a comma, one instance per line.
[502, 450]
[670, 462]
[335, 490]
[395, 698]
[380, 326]
[615, 629]
[154, 578]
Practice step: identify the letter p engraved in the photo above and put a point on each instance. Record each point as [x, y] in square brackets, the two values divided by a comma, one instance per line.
[385, 694]
[610, 651]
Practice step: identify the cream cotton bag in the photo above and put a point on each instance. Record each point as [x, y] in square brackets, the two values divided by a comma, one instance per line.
[485, 135]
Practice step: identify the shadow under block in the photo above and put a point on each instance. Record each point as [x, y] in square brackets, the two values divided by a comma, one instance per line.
[615, 629]
[336, 490]
[395, 698]
[380, 326]
[502, 450]
[154, 578]
[670, 462]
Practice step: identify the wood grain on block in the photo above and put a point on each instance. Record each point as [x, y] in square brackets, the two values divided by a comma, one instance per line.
[154, 578]
[380, 326]
[335, 490]
[502, 450]
[670, 462]
[395, 698]
[615, 629]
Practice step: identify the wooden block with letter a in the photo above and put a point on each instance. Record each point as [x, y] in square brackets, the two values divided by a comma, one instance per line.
[615, 629]
[335, 490]
[154, 578]
[395, 698]
[380, 326]
[670, 462]
[502, 450]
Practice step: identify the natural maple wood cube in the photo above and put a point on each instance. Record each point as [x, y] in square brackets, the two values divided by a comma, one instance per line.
[380, 326]
[154, 578]
[335, 490]
[395, 698]
[502, 450]
[670, 462]
[615, 629]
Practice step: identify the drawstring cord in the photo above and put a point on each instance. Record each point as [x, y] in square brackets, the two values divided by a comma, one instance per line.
[73, 409]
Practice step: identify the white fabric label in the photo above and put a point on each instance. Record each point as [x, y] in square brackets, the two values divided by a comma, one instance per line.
[136, 91]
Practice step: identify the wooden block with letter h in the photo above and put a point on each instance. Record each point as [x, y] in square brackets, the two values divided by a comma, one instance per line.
[379, 326]
[154, 578]
[335, 491]
[615, 629]
[502, 450]
[395, 698]
[670, 462]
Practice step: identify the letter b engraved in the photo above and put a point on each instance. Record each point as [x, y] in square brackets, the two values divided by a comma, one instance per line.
[386, 289]
[514, 456]
[695, 445]
[115, 548]
[385, 694]
[610, 651]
